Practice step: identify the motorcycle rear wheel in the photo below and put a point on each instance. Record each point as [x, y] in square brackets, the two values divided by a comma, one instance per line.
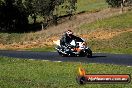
[89, 55]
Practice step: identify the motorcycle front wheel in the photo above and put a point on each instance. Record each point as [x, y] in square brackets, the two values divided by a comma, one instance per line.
[89, 53]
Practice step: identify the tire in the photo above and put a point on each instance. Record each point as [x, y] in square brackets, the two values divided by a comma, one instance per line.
[63, 55]
[89, 53]
[82, 54]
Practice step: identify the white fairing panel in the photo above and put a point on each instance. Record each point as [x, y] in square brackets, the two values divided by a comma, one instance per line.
[73, 43]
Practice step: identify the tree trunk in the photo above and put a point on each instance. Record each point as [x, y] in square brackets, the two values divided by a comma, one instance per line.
[34, 19]
[55, 19]
[42, 26]
[122, 5]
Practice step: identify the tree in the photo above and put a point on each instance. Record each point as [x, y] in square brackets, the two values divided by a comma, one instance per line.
[114, 3]
[119, 3]
[43, 8]
[13, 15]
[31, 9]
[71, 8]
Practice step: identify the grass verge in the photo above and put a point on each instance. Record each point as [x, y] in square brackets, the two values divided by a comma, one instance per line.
[91, 5]
[121, 22]
[120, 43]
[42, 74]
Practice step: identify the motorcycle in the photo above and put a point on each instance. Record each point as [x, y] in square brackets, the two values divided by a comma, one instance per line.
[75, 48]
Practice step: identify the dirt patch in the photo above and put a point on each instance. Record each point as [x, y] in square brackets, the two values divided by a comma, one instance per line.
[101, 34]
[30, 44]
[2, 46]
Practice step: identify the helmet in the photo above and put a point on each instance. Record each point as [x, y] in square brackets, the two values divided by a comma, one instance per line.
[69, 33]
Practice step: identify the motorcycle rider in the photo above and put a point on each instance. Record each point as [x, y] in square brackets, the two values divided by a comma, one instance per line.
[67, 38]
[71, 45]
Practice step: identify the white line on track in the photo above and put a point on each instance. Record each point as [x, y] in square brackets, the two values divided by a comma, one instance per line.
[57, 61]
[31, 59]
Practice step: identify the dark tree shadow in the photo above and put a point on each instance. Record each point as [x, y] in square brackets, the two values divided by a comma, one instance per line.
[13, 16]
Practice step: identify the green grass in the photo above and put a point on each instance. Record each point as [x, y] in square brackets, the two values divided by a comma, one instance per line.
[21, 73]
[86, 6]
[91, 5]
[118, 44]
[117, 22]
[121, 43]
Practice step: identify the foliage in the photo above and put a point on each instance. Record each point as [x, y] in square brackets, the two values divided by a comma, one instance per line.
[14, 13]
[117, 3]
[114, 3]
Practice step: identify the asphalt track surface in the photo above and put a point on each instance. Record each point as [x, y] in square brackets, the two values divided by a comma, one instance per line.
[119, 59]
